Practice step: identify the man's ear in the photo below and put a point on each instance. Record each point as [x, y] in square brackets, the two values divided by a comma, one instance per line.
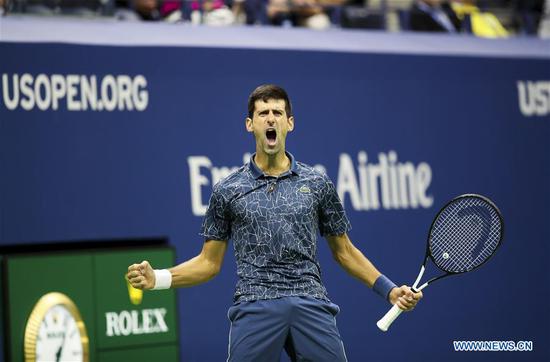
[290, 122]
[249, 125]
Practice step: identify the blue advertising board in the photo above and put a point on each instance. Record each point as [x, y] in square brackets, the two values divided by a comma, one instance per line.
[106, 141]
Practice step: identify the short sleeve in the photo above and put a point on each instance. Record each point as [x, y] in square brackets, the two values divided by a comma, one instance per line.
[216, 224]
[332, 217]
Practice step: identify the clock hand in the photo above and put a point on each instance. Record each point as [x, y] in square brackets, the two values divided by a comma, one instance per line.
[58, 353]
[60, 350]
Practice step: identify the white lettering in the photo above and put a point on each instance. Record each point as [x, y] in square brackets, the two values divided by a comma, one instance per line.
[384, 180]
[423, 180]
[28, 102]
[136, 327]
[219, 173]
[392, 174]
[125, 323]
[542, 98]
[135, 322]
[197, 180]
[199, 167]
[72, 91]
[42, 81]
[362, 157]
[88, 91]
[389, 184]
[159, 316]
[81, 92]
[140, 95]
[534, 98]
[147, 322]
[59, 90]
[526, 105]
[374, 172]
[124, 93]
[347, 182]
[109, 93]
[398, 185]
[11, 104]
[407, 185]
[112, 324]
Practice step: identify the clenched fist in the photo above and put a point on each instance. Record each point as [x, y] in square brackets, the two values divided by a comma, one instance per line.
[141, 276]
[404, 297]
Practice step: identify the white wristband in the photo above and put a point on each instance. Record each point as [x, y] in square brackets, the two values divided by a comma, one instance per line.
[163, 279]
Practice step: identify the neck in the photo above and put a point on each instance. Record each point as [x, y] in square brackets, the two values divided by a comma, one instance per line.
[272, 165]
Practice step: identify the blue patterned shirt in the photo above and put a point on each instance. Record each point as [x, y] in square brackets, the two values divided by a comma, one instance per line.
[273, 222]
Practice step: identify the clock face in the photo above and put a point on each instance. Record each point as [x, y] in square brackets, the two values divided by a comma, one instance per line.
[55, 331]
[58, 337]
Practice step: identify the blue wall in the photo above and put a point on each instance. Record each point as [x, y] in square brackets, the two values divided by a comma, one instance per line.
[457, 122]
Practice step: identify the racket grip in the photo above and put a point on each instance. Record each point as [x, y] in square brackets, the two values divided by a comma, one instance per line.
[385, 322]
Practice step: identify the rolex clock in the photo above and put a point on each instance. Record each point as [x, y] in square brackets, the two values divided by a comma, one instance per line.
[55, 331]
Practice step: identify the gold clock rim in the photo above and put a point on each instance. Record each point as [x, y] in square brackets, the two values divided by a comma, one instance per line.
[46, 302]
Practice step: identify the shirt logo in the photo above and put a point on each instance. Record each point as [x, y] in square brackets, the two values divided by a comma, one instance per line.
[304, 189]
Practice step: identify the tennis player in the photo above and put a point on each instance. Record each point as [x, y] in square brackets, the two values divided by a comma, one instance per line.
[272, 208]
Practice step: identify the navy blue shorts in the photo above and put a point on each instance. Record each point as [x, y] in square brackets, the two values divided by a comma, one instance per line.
[304, 327]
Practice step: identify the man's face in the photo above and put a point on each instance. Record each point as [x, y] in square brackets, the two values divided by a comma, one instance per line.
[270, 125]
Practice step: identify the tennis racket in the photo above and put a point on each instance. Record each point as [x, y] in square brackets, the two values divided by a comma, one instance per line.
[464, 235]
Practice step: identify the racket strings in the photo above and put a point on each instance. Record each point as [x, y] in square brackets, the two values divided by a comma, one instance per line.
[471, 234]
[473, 248]
[465, 234]
[471, 231]
[462, 256]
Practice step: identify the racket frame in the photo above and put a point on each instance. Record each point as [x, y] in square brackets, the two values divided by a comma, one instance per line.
[385, 322]
[428, 254]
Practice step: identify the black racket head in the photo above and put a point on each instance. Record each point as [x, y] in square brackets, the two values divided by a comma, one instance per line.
[465, 233]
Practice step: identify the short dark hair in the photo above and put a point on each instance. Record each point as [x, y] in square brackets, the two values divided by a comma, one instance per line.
[265, 92]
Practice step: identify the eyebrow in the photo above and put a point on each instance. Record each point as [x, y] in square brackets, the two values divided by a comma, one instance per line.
[281, 110]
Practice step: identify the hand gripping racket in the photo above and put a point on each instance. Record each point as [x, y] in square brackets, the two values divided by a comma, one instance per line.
[464, 235]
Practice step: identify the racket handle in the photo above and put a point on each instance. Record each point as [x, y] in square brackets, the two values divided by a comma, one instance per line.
[385, 322]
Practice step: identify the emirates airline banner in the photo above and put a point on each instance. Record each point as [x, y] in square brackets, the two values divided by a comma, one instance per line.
[107, 142]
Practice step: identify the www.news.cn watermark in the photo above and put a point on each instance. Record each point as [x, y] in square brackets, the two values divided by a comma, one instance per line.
[493, 346]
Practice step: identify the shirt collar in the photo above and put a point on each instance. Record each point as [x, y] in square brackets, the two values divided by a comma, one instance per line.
[257, 172]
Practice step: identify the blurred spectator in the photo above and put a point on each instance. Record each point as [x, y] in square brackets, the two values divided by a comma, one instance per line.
[309, 13]
[356, 15]
[139, 10]
[82, 8]
[297, 12]
[480, 23]
[149, 10]
[208, 12]
[216, 13]
[433, 15]
[527, 15]
[544, 26]
[524, 17]
[239, 13]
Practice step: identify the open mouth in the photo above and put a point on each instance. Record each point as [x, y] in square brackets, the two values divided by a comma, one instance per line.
[271, 136]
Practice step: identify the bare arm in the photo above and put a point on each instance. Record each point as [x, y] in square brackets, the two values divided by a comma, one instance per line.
[197, 270]
[356, 264]
[352, 259]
